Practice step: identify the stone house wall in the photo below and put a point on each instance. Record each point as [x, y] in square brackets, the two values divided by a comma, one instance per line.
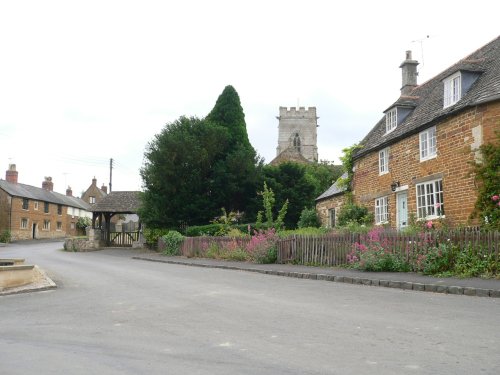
[458, 139]
[324, 206]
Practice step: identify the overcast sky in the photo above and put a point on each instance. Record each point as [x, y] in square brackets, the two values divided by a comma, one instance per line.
[85, 81]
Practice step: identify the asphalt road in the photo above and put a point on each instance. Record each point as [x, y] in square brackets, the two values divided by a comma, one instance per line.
[115, 315]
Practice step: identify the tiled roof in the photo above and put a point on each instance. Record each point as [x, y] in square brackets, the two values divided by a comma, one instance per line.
[119, 202]
[428, 98]
[335, 189]
[39, 194]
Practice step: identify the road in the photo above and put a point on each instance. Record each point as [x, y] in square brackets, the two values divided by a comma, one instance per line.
[114, 315]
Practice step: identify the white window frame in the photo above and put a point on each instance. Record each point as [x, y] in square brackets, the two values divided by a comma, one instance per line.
[59, 226]
[452, 90]
[382, 210]
[428, 144]
[91, 199]
[35, 205]
[383, 161]
[430, 202]
[24, 223]
[391, 120]
[46, 225]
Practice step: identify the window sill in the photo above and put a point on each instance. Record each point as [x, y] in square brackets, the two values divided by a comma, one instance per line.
[432, 217]
[382, 173]
[428, 158]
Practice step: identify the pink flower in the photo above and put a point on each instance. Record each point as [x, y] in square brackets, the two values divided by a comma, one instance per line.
[429, 224]
[495, 198]
[437, 205]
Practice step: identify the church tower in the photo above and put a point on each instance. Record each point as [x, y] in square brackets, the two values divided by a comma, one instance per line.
[297, 135]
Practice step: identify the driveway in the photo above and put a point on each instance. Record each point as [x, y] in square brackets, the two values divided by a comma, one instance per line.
[112, 314]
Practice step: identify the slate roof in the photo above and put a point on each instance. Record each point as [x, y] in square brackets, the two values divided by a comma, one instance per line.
[119, 202]
[39, 194]
[428, 98]
[335, 189]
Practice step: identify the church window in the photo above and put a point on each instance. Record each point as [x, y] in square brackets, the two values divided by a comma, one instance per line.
[296, 142]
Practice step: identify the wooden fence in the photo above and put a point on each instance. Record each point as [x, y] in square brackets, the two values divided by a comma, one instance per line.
[332, 249]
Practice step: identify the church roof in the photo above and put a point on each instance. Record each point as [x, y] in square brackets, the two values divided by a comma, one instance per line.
[290, 154]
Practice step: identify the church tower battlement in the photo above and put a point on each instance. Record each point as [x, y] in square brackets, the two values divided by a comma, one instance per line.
[298, 132]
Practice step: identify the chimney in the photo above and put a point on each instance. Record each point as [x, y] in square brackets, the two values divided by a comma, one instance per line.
[94, 181]
[104, 188]
[409, 72]
[69, 192]
[48, 184]
[11, 174]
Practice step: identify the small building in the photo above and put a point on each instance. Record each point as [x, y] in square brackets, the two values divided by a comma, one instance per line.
[30, 212]
[329, 203]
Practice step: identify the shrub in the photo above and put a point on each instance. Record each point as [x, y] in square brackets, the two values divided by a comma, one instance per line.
[351, 213]
[204, 230]
[437, 259]
[470, 263]
[262, 246]
[83, 222]
[376, 255]
[151, 235]
[308, 218]
[173, 241]
[5, 236]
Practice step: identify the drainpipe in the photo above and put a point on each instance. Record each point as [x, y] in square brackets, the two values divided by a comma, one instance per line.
[10, 217]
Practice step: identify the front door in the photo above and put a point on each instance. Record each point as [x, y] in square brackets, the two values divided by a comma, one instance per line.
[34, 231]
[402, 209]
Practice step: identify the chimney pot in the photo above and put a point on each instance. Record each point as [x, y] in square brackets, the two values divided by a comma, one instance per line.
[48, 184]
[11, 174]
[409, 74]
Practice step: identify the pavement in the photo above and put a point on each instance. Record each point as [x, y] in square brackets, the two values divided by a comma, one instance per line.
[402, 280]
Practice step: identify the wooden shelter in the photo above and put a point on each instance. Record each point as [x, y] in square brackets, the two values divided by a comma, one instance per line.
[116, 203]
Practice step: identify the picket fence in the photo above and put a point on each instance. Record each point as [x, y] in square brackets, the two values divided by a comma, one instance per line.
[332, 249]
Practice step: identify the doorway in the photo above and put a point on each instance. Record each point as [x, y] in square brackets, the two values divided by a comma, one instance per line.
[402, 209]
[34, 231]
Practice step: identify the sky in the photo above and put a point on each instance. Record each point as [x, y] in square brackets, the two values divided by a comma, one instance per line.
[83, 82]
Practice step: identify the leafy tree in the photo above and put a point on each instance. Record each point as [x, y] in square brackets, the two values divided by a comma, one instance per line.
[236, 173]
[194, 167]
[268, 201]
[322, 175]
[178, 173]
[289, 182]
[228, 112]
[309, 219]
[487, 171]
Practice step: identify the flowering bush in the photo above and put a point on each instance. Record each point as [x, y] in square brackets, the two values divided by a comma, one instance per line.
[376, 255]
[262, 246]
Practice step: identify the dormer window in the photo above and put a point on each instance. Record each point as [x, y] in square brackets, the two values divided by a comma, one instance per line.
[391, 120]
[452, 89]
